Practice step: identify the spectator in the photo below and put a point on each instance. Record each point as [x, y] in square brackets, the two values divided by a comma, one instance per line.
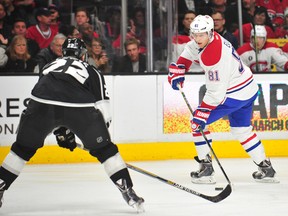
[87, 33]
[133, 61]
[19, 28]
[260, 18]
[26, 9]
[19, 59]
[137, 24]
[180, 41]
[109, 30]
[186, 21]
[113, 23]
[201, 6]
[274, 9]
[284, 3]
[212, 6]
[183, 6]
[11, 11]
[50, 53]
[70, 31]
[55, 16]
[260, 54]
[43, 33]
[137, 30]
[81, 16]
[98, 56]
[219, 27]
[248, 8]
[282, 30]
[3, 57]
[5, 28]
[85, 28]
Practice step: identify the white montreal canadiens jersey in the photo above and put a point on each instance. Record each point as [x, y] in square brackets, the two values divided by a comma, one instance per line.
[178, 46]
[225, 73]
[269, 54]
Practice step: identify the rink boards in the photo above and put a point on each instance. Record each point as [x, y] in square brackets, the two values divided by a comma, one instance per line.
[151, 121]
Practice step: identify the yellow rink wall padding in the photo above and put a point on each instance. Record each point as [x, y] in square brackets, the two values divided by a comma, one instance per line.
[151, 151]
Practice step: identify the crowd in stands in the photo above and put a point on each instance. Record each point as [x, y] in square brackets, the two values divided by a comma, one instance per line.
[255, 50]
[32, 32]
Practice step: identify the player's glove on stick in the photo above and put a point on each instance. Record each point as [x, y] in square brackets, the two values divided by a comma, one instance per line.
[176, 75]
[65, 138]
[199, 118]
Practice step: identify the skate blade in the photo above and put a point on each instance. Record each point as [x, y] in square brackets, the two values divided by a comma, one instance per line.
[268, 180]
[139, 206]
[204, 180]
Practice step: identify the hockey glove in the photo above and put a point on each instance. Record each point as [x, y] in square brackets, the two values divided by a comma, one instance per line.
[176, 75]
[65, 138]
[199, 118]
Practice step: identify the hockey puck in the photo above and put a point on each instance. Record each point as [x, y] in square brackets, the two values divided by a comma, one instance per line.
[219, 188]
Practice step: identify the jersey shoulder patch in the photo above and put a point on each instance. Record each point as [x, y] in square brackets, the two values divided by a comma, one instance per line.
[212, 53]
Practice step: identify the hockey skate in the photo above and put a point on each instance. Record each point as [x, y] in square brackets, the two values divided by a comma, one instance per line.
[2, 185]
[265, 173]
[130, 196]
[205, 174]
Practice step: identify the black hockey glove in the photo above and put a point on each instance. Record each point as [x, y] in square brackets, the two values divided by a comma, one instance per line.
[65, 138]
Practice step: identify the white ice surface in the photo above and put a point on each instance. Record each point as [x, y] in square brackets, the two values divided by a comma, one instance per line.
[85, 190]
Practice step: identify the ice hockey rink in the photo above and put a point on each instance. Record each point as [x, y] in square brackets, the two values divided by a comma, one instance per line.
[85, 190]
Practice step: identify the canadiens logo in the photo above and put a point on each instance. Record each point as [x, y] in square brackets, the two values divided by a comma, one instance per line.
[261, 66]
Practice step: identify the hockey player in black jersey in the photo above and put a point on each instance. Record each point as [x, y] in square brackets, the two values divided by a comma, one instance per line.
[69, 98]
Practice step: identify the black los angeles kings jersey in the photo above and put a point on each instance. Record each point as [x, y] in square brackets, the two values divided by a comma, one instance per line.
[70, 82]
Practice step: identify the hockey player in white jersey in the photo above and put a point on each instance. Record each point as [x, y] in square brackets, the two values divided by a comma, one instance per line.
[72, 97]
[230, 90]
[259, 54]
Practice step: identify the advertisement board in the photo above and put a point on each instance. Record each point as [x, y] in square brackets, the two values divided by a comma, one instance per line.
[147, 109]
[270, 112]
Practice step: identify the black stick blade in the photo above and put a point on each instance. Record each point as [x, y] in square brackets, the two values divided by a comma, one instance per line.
[221, 196]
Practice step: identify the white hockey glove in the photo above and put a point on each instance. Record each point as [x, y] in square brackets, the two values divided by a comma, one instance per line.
[104, 107]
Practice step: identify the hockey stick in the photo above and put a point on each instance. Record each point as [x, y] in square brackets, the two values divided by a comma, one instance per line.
[204, 136]
[217, 198]
[256, 50]
[221, 196]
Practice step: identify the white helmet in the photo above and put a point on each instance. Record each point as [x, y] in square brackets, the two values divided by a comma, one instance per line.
[202, 23]
[260, 31]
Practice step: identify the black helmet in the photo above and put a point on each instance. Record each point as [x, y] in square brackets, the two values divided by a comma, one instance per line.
[74, 47]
